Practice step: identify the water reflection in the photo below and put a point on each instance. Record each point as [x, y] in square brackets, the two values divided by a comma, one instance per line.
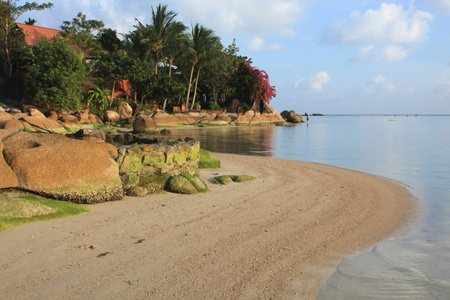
[248, 140]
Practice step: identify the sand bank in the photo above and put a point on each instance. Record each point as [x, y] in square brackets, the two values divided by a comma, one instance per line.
[278, 237]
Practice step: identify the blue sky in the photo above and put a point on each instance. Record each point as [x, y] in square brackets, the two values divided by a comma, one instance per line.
[324, 56]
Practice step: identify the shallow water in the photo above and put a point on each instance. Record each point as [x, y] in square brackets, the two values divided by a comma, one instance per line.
[413, 150]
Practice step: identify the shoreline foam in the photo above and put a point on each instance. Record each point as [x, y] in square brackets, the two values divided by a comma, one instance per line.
[278, 236]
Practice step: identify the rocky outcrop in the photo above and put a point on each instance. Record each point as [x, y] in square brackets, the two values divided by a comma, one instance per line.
[59, 167]
[291, 116]
[146, 165]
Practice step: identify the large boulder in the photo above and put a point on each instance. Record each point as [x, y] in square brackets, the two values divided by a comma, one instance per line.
[43, 123]
[5, 117]
[185, 119]
[111, 116]
[163, 119]
[14, 125]
[144, 124]
[125, 111]
[8, 178]
[291, 116]
[56, 166]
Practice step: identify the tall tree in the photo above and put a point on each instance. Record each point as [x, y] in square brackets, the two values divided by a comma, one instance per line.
[81, 32]
[56, 74]
[204, 48]
[10, 11]
[162, 31]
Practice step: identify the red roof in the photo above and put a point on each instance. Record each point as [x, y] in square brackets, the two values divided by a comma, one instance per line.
[33, 34]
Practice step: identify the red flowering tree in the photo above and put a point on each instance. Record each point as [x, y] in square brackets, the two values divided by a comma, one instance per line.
[251, 86]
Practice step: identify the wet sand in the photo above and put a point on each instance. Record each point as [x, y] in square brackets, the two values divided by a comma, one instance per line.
[277, 237]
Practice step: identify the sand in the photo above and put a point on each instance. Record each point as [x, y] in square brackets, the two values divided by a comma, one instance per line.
[278, 237]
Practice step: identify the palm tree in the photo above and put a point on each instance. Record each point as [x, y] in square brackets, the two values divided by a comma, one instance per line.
[204, 49]
[162, 30]
[177, 42]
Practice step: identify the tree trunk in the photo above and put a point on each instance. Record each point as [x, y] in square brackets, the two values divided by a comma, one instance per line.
[156, 68]
[189, 86]
[112, 92]
[164, 104]
[195, 88]
[170, 66]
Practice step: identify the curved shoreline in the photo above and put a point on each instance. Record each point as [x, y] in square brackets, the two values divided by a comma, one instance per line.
[279, 236]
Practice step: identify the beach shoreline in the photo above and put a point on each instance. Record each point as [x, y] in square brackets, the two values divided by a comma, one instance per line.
[281, 236]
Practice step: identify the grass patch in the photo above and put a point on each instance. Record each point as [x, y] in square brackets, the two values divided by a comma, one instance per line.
[207, 160]
[17, 209]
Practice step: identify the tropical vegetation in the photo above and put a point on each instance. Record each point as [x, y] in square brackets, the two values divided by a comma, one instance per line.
[163, 64]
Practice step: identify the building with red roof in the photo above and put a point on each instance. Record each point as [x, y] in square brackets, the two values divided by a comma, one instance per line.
[33, 34]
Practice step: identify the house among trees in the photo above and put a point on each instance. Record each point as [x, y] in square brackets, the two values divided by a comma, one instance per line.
[33, 34]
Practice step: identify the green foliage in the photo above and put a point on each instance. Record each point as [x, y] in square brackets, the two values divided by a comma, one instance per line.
[207, 160]
[9, 13]
[214, 105]
[98, 98]
[81, 32]
[17, 210]
[56, 74]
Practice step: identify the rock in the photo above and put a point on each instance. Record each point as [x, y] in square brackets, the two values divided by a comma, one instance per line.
[90, 135]
[181, 185]
[111, 116]
[137, 108]
[291, 116]
[56, 166]
[15, 111]
[144, 124]
[125, 111]
[53, 115]
[95, 119]
[45, 124]
[245, 118]
[14, 125]
[83, 116]
[4, 117]
[162, 118]
[227, 117]
[185, 119]
[215, 122]
[35, 112]
[8, 178]
[68, 118]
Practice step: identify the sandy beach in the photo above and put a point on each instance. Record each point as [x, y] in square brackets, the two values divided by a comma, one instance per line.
[278, 237]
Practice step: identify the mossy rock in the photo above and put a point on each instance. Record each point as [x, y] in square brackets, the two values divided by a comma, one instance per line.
[180, 185]
[207, 160]
[185, 184]
[199, 185]
[242, 178]
[225, 179]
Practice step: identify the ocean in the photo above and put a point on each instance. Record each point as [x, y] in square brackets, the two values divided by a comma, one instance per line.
[413, 150]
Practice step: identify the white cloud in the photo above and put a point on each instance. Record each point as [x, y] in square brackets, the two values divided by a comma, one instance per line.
[380, 84]
[381, 32]
[253, 17]
[380, 54]
[258, 44]
[391, 24]
[315, 83]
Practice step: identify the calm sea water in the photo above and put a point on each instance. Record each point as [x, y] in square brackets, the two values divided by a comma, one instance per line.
[413, 150]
